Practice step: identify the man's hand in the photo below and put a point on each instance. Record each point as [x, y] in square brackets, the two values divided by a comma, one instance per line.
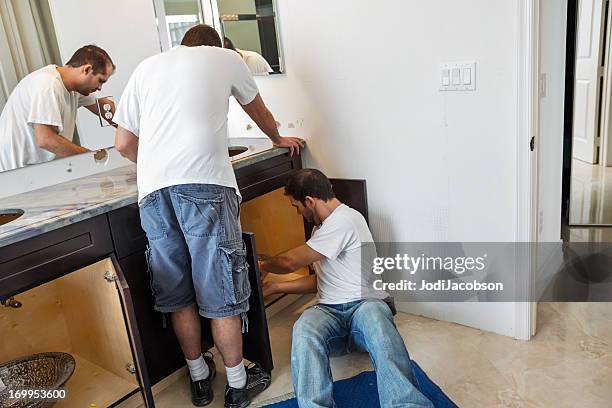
[262, 272]
[292, 143]
[269, 288]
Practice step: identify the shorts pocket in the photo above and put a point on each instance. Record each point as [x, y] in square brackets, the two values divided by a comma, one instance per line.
[150, 217]
[149, 271]
[201, 214]
[235, 270]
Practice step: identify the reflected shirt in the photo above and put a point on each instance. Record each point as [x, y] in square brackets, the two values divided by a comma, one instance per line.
[39, 98]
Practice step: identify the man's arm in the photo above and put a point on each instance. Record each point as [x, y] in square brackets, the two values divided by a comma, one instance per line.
[126, 144]
[49, 139]
[93, 108]
[264, 119]
[290, 261]
[300, 286]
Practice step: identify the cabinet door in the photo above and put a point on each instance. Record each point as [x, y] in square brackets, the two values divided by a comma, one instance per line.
[132, 325]
[158, 339]
[256, 342]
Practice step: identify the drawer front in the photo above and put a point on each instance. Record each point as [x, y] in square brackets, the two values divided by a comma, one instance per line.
[29, 263]
[128, 236]
[266, 176]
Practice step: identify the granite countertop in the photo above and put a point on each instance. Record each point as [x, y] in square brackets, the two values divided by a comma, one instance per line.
[56, 206]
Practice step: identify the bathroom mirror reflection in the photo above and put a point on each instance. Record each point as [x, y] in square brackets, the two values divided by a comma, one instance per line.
[250, 28]
[42, 92]
[590, 201]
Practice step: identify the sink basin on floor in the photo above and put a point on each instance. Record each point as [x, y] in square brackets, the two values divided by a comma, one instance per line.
[236, 150]
[7, 216]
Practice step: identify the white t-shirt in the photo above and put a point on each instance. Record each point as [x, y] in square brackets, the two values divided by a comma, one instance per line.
[256, 63]
[41, 98]
[341, 239]
[176, 103]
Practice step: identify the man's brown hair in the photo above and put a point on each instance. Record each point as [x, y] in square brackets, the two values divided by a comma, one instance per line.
[201, 34]
[93, 55]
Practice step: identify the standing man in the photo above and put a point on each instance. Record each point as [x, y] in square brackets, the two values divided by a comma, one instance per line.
[173, 122]
[37, 122]
[349, 313]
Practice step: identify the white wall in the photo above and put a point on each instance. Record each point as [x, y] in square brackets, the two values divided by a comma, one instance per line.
[553, 17]
[439, 166]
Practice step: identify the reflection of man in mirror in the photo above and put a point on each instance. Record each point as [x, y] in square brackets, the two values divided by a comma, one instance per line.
[37, 123]
[256, 63]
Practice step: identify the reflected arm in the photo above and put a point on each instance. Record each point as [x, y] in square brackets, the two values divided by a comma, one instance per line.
[47, 138]
[93, 108]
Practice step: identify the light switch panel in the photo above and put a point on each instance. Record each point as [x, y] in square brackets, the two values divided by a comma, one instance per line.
[458, 76]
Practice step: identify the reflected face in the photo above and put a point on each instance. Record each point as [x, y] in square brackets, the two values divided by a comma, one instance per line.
[92, 81]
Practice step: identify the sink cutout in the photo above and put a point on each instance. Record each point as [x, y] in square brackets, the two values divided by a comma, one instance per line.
[7, 216]
[236, 150]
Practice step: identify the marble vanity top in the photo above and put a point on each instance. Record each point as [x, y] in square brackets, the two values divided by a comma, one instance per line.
[56, 206]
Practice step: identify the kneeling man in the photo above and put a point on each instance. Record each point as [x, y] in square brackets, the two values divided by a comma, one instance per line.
[349, 314]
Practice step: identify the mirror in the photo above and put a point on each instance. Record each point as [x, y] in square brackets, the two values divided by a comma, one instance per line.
[174, 18]
[590, 201]
[35, 93]
[250, 28]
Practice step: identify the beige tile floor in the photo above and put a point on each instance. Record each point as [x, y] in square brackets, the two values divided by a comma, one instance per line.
[567, 364]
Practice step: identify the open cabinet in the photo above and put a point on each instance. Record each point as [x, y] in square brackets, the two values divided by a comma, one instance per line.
[277, 227]
[84, 314]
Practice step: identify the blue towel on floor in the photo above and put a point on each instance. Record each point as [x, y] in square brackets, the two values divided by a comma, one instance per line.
[360, 392]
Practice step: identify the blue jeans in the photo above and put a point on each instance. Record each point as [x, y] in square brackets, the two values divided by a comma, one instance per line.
[325, 331]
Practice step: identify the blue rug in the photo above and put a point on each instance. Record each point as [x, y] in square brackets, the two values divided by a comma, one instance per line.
[361, 392]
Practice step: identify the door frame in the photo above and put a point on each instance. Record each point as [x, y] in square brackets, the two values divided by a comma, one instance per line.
[527, 48]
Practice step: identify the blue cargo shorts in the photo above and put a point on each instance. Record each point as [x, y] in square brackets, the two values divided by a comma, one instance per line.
[196, 252]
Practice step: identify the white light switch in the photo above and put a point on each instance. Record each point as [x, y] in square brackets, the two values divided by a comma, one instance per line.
[458, 76]
[445, 77]
[467, 76]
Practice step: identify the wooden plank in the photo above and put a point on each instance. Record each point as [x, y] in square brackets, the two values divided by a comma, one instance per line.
[92, 384]
[94, 318]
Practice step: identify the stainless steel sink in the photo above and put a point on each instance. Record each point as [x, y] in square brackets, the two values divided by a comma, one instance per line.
[9, 215]
[236, 150]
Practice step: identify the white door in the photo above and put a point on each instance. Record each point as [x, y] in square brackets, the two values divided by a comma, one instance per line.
[586, 90]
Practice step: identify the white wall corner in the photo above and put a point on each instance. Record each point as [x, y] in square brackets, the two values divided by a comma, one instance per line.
[526, 182]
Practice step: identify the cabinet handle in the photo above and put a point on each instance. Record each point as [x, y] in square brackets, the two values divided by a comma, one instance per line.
[130, 367]
[11, 302]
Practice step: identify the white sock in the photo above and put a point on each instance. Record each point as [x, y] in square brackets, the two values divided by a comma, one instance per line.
[198, 369]
[236, 376]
